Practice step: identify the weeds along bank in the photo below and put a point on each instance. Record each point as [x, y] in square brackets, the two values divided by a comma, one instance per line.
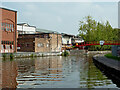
[33, 54]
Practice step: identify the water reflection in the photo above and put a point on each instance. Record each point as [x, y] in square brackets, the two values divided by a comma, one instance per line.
[109, 72]
[53, 72]
[9, 74]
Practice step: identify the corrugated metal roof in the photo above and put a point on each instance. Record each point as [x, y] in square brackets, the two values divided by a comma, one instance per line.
[46, 31]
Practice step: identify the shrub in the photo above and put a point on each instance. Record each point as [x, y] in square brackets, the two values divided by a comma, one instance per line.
[42, 55]
[32, 55]
[65, 53]
[11, 56]
[4, 55]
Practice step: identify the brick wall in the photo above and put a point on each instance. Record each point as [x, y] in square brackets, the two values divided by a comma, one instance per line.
[9, 17]
[26, 43]
[42, 45]
[40, 42]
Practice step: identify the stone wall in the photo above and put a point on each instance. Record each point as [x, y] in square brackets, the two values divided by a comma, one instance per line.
[42, 45]
[116, 51]
[56, 42]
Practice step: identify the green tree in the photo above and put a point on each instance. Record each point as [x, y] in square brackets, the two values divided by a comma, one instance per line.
[91, 30]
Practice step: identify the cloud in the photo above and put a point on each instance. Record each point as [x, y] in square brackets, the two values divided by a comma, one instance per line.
[64, 16]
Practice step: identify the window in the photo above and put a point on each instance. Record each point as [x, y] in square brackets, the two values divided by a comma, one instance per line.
[3, 24]
[4, 46]
[10, 42]
[40, 45]
[12, 29]
[7, 46]
[67, 42]
[4, 42]
[27, 45]
[47, 45]
[10, 46]
[4, 29]
[8, 25]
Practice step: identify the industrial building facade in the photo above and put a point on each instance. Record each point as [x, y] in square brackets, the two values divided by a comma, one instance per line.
[8, 31]
[39, 42]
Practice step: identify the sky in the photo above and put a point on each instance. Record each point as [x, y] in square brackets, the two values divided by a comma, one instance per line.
[63, 17]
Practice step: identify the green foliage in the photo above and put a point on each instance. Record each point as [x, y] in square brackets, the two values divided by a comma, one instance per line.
[32, 55]
[11, 56]
[109, 55]
[4, 55]
[42, 55]
[65, 53]
[92, 30]
[99, 48]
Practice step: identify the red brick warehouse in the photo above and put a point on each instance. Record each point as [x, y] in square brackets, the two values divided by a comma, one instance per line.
[8, 30]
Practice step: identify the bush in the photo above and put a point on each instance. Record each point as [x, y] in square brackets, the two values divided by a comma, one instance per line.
[11, 56]
[99, 48]
[4, 55]
[32, 55]
[42, 55]
[65, 53]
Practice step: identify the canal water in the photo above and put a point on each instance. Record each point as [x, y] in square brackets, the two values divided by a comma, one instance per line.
[53, 72]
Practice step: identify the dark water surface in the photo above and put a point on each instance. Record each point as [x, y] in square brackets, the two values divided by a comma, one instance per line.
[53, 72]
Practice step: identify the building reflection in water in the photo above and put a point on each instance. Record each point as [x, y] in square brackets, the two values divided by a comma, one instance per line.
[52, 72]
[0, 73]
[49, 68]
[9, 74]
[39, 71]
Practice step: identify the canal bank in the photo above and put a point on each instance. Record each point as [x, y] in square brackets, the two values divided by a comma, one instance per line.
[29, 54]
[43, 54]
[110, 67]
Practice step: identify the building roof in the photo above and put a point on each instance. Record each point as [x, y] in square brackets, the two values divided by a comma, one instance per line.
[64, 34]
[25, 24]
[46, 31]
[8, 9]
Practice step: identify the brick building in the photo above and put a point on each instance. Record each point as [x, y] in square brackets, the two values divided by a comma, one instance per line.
[8, 25]
[39, 42]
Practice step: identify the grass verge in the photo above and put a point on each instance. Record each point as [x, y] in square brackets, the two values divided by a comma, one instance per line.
[109, 55]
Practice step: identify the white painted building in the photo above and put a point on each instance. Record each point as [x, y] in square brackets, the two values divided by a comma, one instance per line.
[25, 28]
[67, 39]
[77, 39]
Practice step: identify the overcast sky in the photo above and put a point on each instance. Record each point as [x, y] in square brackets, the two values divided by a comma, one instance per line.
[63, 16]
